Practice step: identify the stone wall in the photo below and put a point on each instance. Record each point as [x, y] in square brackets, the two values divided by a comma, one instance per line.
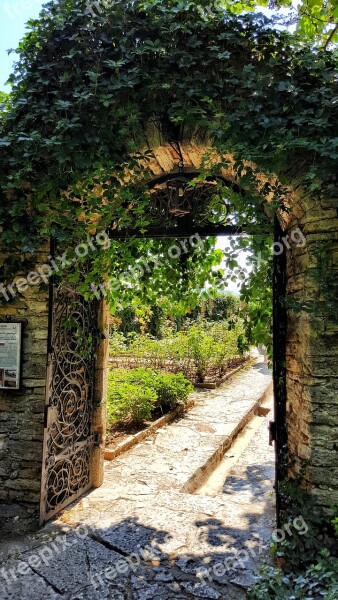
[22, 413]
[312, 367]
[312, 351]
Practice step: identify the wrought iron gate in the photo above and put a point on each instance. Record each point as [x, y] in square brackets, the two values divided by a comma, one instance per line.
[68, 436]
[278, 430]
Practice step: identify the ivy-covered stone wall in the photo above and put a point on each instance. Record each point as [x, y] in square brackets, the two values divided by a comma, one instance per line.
[22, 413]
[312, 348]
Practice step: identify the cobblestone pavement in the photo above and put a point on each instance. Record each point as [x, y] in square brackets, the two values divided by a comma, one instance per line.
[139, 537]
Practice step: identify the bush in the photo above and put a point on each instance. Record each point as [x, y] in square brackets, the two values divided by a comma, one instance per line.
[134, 394]
[201, 350]
[171, 390]
[309, 560]
[130, 402]
[319, 580]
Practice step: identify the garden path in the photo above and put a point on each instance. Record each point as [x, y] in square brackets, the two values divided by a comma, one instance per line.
[140, 537]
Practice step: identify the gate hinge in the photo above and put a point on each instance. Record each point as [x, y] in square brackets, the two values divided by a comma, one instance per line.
[272, 432]
[47, 407]
[97, 439]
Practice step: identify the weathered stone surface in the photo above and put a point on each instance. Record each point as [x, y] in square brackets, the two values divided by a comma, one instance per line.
[312, 355]
[22, 415]
[131, 540]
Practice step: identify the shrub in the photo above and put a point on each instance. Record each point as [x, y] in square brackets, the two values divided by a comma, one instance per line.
[130, 402]
[171, 390]
[202, 349]
[134, 394]
[140, 376]
[319, 580]
[309, 560]
[335, 524]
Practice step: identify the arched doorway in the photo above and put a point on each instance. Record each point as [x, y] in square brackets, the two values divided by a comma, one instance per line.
[253, 104]
[176, 210]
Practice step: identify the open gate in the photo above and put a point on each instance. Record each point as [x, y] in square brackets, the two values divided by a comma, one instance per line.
[278, 429]
[68, 437]
[68, 434]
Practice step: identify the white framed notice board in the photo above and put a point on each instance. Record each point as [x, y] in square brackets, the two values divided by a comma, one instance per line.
[10, 355]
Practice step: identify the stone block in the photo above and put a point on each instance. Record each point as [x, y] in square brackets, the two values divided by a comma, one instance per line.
[325, 476]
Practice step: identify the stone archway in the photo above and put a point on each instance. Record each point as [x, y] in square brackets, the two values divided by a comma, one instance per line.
[311, 352]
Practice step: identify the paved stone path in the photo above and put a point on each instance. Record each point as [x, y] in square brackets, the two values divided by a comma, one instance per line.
[139, 537]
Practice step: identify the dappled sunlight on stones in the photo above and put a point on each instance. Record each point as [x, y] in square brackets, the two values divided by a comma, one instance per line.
[171, 545]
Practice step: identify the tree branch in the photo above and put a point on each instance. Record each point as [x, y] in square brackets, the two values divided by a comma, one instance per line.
[333, 31]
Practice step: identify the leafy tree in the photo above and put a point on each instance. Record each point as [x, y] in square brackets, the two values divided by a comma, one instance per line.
[223, 307]
[84, 90]
[143, 271]
[318, 21]
[315, 20]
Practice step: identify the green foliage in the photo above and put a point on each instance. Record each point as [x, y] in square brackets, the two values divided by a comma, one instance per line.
[335, 525]
[129, 401]
[133, 317]
[4, 104]
[256, 293]
[318, 21]
[300, 550]
[128, 320]
[200, 350]
[222, 308]
[134, 395]
[319, 580]
[142, 273]
[309, 557]
[325, 275]
[156, 321]
[171, 389]
[210, 346]
[84, 89]
[315, 20]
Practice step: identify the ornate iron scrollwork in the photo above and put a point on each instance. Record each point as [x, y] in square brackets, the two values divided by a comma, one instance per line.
[68, 435]
[179, 197]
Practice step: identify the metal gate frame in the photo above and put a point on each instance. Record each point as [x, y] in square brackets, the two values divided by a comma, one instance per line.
[278, 431]
[278, 428]
[69, 403]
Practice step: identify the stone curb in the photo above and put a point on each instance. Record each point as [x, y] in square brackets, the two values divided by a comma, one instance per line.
[111, 453]
[202, 473]
[214, 386]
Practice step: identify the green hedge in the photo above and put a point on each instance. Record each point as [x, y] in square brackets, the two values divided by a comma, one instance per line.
[201, 350]
[134, 395]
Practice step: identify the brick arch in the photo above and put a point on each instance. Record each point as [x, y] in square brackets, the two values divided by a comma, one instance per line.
[311, 353]
[312, 342]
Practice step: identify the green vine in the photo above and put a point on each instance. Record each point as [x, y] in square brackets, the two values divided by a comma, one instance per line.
[87, 87]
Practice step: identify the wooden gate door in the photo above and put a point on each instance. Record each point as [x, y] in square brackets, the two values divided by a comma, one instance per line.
[68, 436]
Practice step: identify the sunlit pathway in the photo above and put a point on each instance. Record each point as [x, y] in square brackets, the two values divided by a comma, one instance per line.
[139, 537]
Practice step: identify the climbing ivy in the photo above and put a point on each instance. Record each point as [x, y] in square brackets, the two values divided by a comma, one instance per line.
[85, 88]
[88, 83]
